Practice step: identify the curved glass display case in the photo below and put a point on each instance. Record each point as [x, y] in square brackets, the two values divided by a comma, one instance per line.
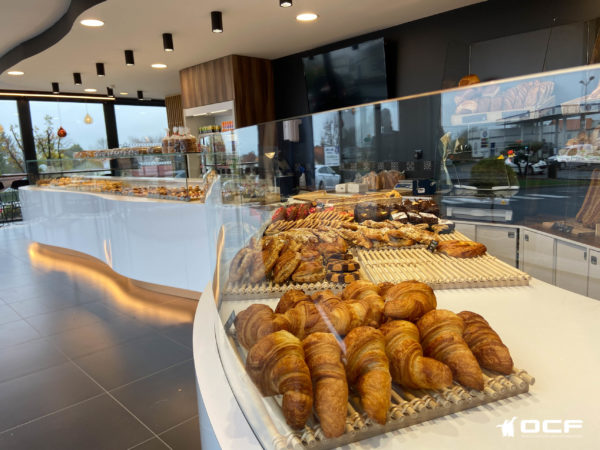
[319, 315]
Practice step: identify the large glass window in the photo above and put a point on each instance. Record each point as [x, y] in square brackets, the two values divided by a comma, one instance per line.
[11, 147]
[83, 123]
[140, 124]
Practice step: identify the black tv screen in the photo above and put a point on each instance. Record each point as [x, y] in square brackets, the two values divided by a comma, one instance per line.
[346, 77]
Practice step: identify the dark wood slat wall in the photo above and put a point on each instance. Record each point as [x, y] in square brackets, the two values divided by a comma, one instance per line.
[253, 90]
[207, 83]
[245, 80]
[174, 111]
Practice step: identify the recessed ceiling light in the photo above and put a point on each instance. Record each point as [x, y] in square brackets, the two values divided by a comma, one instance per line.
[159, 66]
[306, 17]
[16, 73]
[285, 3]
[91, 23]
[123, 93]
[90, 90]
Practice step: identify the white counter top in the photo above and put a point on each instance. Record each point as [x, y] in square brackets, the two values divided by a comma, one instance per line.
[551, 333]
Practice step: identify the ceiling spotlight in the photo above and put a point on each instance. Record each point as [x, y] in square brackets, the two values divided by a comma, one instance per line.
[306, 17]
[216, 18]
[168, 42]
[77, 78]
[91, 22]
[129, 58]
[159, 66]
[16, 73]
[110, 92]
[90, 90]
[285, 3]
[100, 69]
[55, 89]
[123, 93]
[140, 95]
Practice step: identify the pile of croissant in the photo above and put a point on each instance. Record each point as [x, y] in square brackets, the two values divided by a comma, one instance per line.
[312, 349]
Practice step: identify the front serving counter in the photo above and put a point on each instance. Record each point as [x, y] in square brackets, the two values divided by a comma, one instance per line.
[551, 332]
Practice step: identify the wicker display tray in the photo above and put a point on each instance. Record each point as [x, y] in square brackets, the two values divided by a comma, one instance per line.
[437, 270]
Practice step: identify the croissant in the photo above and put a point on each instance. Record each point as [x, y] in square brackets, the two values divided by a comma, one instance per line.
[441, 335]
[369, 292]
[409, 300]
[304, 319]
[324, 360]
[461, 249]
[290, 299]
[368, 370]
[485, 343]
[408, 366]
[334, 310]
[257, 321]
[359, 312]
[276, 365]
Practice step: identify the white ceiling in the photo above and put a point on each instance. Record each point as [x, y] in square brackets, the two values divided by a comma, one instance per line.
[257, 28]
[18, 24]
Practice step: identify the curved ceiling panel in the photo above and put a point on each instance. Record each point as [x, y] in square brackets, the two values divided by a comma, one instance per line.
[47, 20]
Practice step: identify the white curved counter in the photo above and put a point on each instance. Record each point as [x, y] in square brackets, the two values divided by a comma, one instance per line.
[552, 333]
[162, 242]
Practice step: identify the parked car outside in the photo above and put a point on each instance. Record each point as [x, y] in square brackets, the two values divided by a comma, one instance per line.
[533, 169]
[325, 177]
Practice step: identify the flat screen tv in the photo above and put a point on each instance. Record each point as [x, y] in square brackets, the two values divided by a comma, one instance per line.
[346, 77]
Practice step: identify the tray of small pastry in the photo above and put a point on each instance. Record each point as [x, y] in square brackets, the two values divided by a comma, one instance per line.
[338, 368]
[454, 264]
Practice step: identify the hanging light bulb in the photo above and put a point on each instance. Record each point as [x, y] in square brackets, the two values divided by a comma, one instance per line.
[88, 119]
[61, 133]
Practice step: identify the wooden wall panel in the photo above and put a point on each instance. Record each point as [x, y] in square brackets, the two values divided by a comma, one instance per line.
[174, 111]
[253, 90]
[207, 83]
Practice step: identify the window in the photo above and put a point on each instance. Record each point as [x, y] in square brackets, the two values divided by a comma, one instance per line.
[48, 117]
[11, 150]
[140, 124]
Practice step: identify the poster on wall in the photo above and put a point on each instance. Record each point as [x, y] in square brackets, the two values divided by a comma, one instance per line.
[332, 156]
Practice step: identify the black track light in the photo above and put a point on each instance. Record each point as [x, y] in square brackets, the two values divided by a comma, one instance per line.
[55, 89]
[285, 3]
[100, 69]
[216, 18]
[140, 95]
[77, 78]
[110, 92]
[168, 42]
[129, 58]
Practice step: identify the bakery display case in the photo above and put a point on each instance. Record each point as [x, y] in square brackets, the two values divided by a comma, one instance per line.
[345, 315]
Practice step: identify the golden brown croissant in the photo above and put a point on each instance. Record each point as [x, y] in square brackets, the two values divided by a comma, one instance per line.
[485, 343]
[408, 366]
[461, 249]
[276, 365]
[368, 370]
[369, 292]
[333, 310]
[257, 321]
[441, 335]
[409, 300]
[290, 299]
[359, 312]
[324, 360]
[305, 319]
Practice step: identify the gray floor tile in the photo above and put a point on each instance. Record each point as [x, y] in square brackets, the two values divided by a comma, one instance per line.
[43, 392]
[97, 424]
[121, 364]
[62, 320]
[152, 444]
[14, 333]
[23, 359]
[7, 314]
[181, 333]
[41, 305]
[185, 436]
[162, 400]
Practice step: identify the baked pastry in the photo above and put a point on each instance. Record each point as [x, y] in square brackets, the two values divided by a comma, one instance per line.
[257, 321]
[276, 365]
[285, 266]
[408, 366]
[309, 272]
[343, 266]
[330, 387]
[369, 292]
[341, 277]
[305, 319]
[441, 338]
[368, 370]
[486, 345]
[239, 265]
[408, 300]
[290, 299]
[461, 249]
[334, 310]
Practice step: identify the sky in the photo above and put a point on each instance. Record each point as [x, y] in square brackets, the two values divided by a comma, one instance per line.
[137, 122]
